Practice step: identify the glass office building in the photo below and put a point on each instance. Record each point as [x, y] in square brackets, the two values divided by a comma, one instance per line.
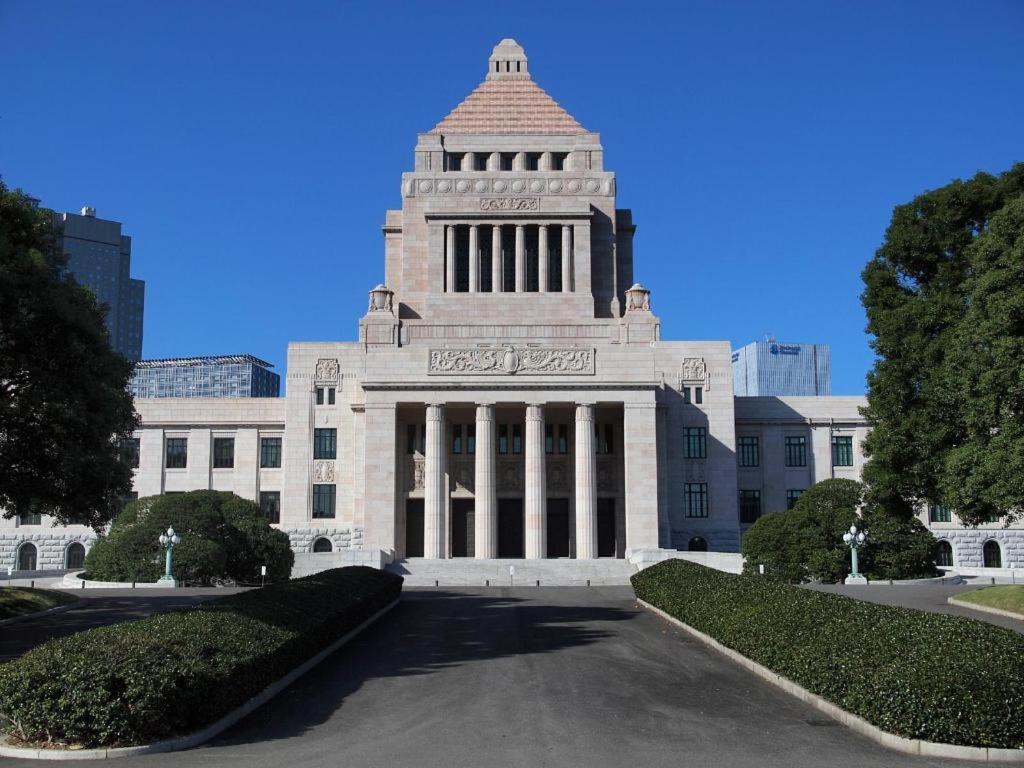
[774, 369]
[217, 376]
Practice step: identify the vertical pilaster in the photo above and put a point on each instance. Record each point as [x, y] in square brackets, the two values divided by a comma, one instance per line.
[535, 492]
[566, 258]
[449, 258]
[486, 484]
[586, 484]
[543, 258]
[434, 490]
[581, 279]
[641, 470]
[378, 478]
[520, 258]
[497, 265]
[474, 258]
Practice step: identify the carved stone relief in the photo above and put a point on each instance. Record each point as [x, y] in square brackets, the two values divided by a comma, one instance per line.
[696, 471]
[415, 473]
[327, 369]
[510, 477]
[323, 471]
[558, 476]
[693, 370]
[510, 203]
[508, 360]
[462, 474]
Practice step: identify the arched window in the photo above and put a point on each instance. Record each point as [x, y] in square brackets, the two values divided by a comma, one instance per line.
[992, 556]
[74, 557]
[27, 557]
[322, 545]
[944, 554]
[698, 544]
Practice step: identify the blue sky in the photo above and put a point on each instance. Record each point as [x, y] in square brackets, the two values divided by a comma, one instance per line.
[251, 148]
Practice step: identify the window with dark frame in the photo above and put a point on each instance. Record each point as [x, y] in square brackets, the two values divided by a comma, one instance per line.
[503, 438]
[410, 438]
[319, 395]
[330, 395]
[30, 518]
[698, 395]
[937, 513]
[842, 450]
[695, 442]
[563, 438]
[471, 438]
[325, 443]
[223, 452]
[796, 451]
[456, 438]
[270, 506]
[944, 554]
[270, 452]
[750, 506]
[517, 438]
[130, 451]
[748, 450]
[323, 500]
[549, 438]
[686, 395]
[792, 496]
[176, 449]
[695, 499]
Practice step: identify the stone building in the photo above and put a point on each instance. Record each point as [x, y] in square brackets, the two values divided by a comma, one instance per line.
[509, 393]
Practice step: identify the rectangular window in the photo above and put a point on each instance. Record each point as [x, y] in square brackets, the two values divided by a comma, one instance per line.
[748, 450]
[330, 395]
[323, 500]
[686, 395]
[695, 499]
[270, 452]
[558, 160]
[695, 443]
[177, 452]
[130, 452]
[481, 161]
[270, 505]
[533, 161]
[750, 506]
[410, 438]
[319, 395]
[503, 438]
[456, 438]
[30, 519]
[842, 450]
[937, 513]
[471, 438]
[507, 160]
[796, 451]
[792, 495]
[563, 438]
[698, 395]
[549, 438]
[223, 452]
[325, 443]
[517, 438]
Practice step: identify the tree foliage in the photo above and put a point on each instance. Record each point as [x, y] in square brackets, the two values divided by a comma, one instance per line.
[224, 538]
[945, 306]
[64, 403]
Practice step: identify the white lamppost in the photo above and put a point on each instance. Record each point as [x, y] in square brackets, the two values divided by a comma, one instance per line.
[169, 539]
[854, 539]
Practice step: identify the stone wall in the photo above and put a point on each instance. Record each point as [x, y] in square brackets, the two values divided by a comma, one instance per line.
[341, 538]
[50, 544]
[967, 545]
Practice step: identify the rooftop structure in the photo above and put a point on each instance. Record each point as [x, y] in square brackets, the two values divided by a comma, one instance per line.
[773, 368]
[210, 376]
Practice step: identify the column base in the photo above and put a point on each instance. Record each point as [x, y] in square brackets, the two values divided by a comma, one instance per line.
[167, 581]
[857, 580]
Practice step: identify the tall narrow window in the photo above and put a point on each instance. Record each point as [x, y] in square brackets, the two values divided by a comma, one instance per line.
[456, 438]
[270, 506]
[176, 449]
[319, 395]
[471, 438]
[748, 450]
[223, 452]
[410, 438]
[792, 496]
[750, 506]
[796, 451]
[549, 438]
[270, 452]
[695, 499]
[695, 443]
[325, 443]
[842, 451]
[563, 438]
[687, 399]
[944, 554]
[323, 500]
[698, 395]
[330, 395]
[517, 438]
[503, 438]
[130, 452]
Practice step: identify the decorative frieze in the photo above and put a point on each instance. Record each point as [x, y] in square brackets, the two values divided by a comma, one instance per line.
[509, 360]
[462, 474]
[510, 475]
[510, 204]
[323, 471]
[558, 475]
[693, 370]
[452, 184]
[327, 369]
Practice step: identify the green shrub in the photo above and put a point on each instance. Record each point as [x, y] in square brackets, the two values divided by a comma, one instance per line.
[171, 674]
[806, 542]
[919, 675]
[224, 539]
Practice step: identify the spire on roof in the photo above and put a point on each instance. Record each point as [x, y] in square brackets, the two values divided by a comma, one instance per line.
[508, 62]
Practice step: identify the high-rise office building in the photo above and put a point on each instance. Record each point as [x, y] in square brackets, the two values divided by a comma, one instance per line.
[215, 376]
[772, 369]
[99, 257]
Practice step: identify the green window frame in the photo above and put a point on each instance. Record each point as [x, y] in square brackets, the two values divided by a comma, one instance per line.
[223, 452]
[270, 453]
[176, 451]
[792, 496]
[938, 513]
[324, 499]
[796, 450]
[842, 450]
[750, 506]
[270, 506]
[748, 451]
[325, 443]
[695, 499]
[695, 442]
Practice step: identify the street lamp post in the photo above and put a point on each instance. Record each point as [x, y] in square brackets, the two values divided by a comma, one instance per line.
[854, 539]
[169, 539]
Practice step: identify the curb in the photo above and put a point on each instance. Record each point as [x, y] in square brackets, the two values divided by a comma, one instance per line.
[853, 722]
[39, 614]
[984, 609]
[196, 737]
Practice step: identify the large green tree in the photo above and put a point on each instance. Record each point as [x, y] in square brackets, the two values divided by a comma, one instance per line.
[944, 304]
[64, 403]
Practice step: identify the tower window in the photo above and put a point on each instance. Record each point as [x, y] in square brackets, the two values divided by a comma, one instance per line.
[507, 159]
[558, 160]
[533, 161]
[481, 161]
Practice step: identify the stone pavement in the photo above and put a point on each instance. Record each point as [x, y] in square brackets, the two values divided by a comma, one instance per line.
[531, 677]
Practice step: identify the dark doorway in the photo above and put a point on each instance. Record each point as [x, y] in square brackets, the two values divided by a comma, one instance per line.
[558, 527]
[27, 557]
[414, 528]
[463, 528]
[510, 527]
[606, 528]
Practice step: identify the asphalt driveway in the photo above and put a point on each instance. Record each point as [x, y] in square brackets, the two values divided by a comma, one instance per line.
[530, 677]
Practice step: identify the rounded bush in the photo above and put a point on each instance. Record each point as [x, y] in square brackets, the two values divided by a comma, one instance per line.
[224, 539]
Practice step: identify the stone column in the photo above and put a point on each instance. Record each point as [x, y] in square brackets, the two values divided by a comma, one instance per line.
[535, 491]
[434, 491]
[449, 258]
[543, 258]
[566, 258]
[474, 257]
[497, 265]
[586, 484]
[520, 258]
[486, 483]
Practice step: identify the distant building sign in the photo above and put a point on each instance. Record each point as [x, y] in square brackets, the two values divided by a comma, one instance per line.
[784, 349]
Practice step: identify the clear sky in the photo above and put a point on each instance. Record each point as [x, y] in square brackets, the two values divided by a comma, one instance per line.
[251, 148]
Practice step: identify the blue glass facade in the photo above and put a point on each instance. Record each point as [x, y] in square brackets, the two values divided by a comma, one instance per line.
[776, 369]
[219, 376]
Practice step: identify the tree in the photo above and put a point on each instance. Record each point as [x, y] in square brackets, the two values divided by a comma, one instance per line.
[64, 403]
[224, 538]
[937, 418]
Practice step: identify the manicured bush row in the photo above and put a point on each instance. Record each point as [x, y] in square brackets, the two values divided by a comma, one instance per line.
[143, 681]
[919, 675]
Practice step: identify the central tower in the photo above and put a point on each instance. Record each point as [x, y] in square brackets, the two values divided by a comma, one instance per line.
[508, 217]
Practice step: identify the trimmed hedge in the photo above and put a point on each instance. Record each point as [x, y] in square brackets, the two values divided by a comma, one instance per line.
[919, 675]
[168, 675]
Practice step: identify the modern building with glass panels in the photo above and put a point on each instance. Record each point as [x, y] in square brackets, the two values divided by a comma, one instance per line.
[217, 376]
[99, 257]
[773, 369]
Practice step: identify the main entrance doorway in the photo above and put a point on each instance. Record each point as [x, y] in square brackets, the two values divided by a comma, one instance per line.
[414, 528]
[558, 527]
[606, 528]
[463, 528]
[511, 524]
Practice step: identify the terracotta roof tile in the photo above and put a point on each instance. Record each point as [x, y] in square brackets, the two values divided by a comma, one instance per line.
[509, 106]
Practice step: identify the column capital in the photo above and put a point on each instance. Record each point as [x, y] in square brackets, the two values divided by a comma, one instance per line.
[485, 411]
[585, 411]
[435, 411]
[534, 412]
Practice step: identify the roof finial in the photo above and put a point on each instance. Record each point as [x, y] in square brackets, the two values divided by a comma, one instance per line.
[507, 62]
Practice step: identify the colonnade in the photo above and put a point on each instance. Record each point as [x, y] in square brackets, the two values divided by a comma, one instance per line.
[545, 235]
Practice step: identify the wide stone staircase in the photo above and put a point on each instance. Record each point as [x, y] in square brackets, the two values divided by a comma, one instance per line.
[467, 572]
